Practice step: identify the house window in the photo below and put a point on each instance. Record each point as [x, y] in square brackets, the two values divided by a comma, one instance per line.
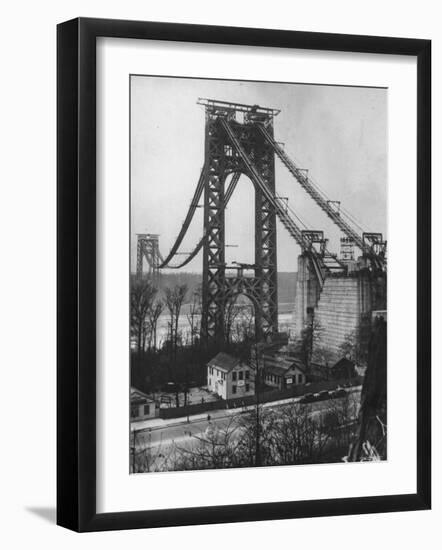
[241, 375]
[234, 376]
[247, 374]
[146, 409]
[134, 412]
[228, 151]
[233, 389]
[247, 387]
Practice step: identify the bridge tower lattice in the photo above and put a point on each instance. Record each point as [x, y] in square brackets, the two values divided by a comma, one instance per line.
[222, 159]
[148, 248]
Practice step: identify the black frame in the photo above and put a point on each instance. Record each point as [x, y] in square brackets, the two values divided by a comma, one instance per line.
[76, 272]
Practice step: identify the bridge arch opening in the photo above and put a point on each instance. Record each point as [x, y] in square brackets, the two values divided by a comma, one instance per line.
[239, 318]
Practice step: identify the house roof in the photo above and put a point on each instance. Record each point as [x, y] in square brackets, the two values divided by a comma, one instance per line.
[343, 363]
[286, 362]
[224, 361]
[287, 366]
[278, 371]
[298, 364]
[272, 348]
[138, 397]
[278, 337]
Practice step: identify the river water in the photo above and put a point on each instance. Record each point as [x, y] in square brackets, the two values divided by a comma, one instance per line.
[285, 321]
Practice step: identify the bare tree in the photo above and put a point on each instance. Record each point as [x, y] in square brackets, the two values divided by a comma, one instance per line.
[256, 445]
[194, 315]
[244, 328]
[295, 436]
[144, 456]
[215, 448]
[340, 419]
[174, 301]
[311, 337]
[238, 321]
[322, 355]
[351, 347]
[142, 294]
[262, 436]
[154, 314]
[231, 312]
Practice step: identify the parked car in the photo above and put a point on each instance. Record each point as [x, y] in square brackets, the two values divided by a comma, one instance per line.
[323, 395]
[308, 398]
[339, 392]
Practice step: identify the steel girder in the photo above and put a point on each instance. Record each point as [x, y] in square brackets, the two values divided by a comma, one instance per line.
[222, 159]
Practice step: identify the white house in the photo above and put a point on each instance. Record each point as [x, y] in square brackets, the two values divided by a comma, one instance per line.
[229, 377]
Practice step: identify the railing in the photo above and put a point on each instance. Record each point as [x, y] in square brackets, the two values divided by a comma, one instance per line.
[310, 189]
[280, 211]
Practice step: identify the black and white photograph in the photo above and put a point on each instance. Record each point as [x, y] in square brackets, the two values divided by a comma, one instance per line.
[258, 274]
[219, 321]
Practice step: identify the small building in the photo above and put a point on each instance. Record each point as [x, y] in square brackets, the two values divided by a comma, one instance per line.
[142, 406]
[286, 374]
[295, 376]
[344, 368]
[229, 377]
[277, 364]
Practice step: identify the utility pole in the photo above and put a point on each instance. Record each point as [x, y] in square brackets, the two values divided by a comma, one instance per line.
[258, 435]
[133, 449]
[257, 412]
[149, 441]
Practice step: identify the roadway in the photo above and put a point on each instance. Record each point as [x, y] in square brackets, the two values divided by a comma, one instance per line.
[161, 433]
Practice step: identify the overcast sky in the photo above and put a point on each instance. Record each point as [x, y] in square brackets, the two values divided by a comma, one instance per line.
[338, 133]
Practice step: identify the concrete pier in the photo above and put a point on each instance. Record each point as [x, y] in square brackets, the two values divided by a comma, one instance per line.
[343, 306]
[306, 295]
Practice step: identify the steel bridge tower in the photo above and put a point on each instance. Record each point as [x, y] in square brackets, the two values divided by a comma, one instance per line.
[148, 248]
[239, 139]
[222, 159]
